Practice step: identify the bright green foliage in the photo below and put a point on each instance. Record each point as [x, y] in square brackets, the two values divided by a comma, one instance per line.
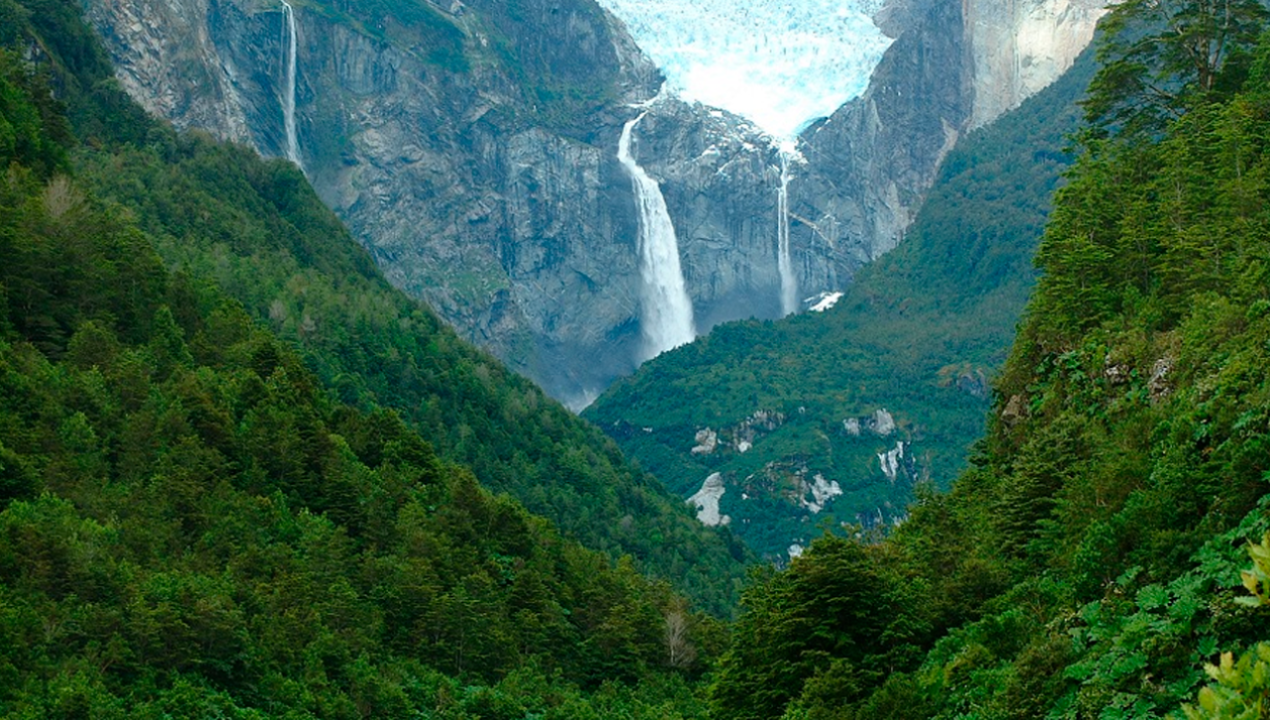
[1257, 579]
[1242, 689]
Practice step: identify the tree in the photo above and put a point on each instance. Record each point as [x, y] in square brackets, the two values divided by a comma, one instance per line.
[1160, 57]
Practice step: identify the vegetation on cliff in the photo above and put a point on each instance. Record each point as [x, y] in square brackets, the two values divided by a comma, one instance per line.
[1088, 564]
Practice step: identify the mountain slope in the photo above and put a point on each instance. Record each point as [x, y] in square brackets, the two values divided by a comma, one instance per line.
[191, 526]
[1088, 563]
[256, 230]
[884, 390]
[471, 147]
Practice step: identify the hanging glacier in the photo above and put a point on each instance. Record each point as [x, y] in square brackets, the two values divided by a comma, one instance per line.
[779, 64]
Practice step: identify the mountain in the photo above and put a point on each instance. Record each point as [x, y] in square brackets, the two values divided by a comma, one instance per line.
[835, 416]
[472, 148]
[1106, 554]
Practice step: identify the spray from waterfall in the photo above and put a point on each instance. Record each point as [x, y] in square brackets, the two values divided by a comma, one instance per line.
[666, 309]
[789, 284]
[288, 100]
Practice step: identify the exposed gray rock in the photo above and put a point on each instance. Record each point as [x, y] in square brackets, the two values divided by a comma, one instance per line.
[707, 440]
[487, 183]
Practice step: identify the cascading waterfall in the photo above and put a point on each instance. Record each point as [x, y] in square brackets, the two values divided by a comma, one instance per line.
[789, 284]
[667, 310]
[288, 100]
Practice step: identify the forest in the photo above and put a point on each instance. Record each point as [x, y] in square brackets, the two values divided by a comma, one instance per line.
[241, 477]
[206, 508]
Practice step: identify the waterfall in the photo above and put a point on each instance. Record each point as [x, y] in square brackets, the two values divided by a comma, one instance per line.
[288, 100]
[789, 285]
[667, 311]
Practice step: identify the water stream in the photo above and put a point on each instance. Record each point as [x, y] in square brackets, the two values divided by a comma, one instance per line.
[666, 308]
[789, 284]
[288, 100]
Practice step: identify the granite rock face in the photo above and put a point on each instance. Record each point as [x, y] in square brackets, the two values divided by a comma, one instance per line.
[472, 149]
[1021, 46]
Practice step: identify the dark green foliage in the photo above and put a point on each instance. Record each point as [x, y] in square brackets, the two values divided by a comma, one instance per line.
[190, 526]
[198, 511]
[257, 230]
[820, 633]
[918, 333]
[1086, 565]
[33, 130]
[1161, 58]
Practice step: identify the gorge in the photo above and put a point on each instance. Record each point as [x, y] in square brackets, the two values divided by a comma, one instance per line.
[244, 476]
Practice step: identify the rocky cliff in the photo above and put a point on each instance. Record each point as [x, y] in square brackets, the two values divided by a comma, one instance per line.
[472, 148]
[953, 67]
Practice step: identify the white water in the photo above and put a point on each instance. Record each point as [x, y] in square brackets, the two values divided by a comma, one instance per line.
[789, 284]
[779, 63]
[288, 101]
[666, 309]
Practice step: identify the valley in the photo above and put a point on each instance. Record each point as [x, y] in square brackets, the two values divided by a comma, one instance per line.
[920, 349]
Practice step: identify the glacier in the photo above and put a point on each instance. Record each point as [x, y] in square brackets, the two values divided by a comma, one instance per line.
[779, 64]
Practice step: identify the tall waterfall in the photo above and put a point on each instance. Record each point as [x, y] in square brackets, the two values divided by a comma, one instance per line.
[288, 100]
[667, 310]
[789, 284]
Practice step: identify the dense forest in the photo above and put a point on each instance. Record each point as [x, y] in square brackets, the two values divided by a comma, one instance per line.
[256, 230]
[241, 478]
[1095, 557]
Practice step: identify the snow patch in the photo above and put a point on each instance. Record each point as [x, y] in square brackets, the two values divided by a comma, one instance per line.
[707, 499]
[823, 301]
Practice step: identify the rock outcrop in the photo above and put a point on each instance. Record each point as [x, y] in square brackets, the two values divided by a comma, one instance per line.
[1021, 46]
[953, 67]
